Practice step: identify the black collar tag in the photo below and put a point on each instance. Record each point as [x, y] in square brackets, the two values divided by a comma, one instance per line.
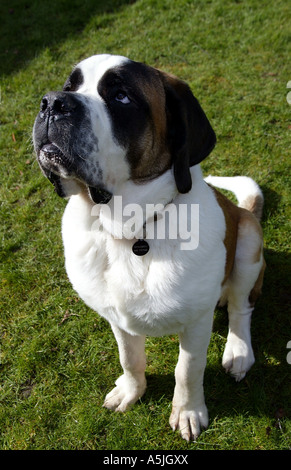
[140, 248]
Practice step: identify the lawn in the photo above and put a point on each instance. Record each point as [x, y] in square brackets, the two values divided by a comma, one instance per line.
[58, 359]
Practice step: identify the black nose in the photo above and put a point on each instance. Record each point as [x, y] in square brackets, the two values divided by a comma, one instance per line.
[58, 103]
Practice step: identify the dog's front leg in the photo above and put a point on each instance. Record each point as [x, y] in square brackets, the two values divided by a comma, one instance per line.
[189, 412]
[132, 384]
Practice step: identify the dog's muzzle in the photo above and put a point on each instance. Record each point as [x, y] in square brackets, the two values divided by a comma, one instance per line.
[57, 130]
[54, 131]
[58, 104]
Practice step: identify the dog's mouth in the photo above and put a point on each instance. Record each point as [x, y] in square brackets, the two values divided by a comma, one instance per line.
[52, 159]
[58, 168]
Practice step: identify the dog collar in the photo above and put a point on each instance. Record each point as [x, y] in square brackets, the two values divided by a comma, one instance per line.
[141, 246]
[99, 195]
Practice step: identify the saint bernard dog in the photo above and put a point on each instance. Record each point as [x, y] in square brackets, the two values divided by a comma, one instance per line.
[121, 131]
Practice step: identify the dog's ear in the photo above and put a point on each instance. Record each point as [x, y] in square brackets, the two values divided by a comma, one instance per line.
[190, 135]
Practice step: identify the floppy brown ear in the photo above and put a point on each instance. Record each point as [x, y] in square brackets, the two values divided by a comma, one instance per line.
[190, 135]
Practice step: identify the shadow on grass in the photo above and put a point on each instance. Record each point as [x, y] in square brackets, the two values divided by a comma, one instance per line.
[28, 27]
[272, 201]
[266, 388]
[158, 386]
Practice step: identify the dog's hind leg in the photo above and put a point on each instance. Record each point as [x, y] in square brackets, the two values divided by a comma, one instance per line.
[132, 384]
[244, 286]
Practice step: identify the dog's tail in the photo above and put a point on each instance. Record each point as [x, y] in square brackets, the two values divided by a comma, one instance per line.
[246, 190]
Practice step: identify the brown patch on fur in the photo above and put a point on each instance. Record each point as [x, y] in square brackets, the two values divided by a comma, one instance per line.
[257, 255]
[248, 218]
[257, 289]
[254, 204]
[155, 158]
[232, 216]
[155, 96]
[235, 216]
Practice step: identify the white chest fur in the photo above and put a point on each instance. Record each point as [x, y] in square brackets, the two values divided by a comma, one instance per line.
[158, 293]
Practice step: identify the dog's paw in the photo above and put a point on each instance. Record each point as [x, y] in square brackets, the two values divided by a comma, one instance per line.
[124, 394]
[238, 357]
[189, 422]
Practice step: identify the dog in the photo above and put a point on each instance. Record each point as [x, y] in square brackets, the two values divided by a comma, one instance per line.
[122, 133]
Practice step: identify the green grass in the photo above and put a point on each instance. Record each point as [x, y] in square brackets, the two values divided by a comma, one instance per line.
[58, 358]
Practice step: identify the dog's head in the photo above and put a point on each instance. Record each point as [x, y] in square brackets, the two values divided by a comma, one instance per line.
[118, 120]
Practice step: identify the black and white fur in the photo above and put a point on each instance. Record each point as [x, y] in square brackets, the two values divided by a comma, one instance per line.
[121, 128]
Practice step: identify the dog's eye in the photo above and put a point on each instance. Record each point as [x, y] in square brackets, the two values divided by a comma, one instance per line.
[121, 97]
